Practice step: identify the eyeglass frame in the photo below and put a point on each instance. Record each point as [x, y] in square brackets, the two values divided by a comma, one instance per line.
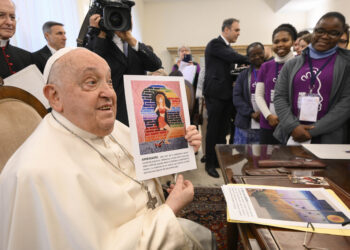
[321, 32]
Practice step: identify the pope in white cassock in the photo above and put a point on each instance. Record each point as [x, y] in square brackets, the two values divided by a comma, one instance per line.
[72, 184]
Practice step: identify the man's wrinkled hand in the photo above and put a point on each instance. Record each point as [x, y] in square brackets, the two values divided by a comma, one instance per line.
[193, 137]
[180, 194]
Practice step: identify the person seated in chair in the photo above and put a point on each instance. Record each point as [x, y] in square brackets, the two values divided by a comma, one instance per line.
[72, 184]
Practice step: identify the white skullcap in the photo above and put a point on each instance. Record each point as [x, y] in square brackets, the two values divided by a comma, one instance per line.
[53, 59]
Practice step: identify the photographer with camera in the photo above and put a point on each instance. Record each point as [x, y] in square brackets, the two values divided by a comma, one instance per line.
[110, 37]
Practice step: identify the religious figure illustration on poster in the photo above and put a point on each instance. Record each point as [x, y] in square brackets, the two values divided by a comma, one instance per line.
[158, 117]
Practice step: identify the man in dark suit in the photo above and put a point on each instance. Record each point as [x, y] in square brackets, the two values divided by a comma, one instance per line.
[124, 55]
[55, 36]
[219, 60]
[12, 59]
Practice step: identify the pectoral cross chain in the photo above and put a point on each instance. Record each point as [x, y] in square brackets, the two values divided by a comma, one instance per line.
[152, 201]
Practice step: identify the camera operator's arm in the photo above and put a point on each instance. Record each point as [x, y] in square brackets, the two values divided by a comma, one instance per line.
[94, 19]
[149, 60]
[126, 36]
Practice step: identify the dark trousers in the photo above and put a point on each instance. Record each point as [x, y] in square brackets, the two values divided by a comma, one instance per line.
[219, 114]
[266, 137]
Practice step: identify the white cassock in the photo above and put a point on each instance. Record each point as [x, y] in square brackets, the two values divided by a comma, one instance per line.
[56, 192]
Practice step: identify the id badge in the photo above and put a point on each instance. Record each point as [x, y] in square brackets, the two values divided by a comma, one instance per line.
[272, 106]
[309, 108]
[272, 95]
[255, 106]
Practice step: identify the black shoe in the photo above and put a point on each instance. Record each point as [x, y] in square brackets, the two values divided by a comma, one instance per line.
[203, 159]
[212, 172]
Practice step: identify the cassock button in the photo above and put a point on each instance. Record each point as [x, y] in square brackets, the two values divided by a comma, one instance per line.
[10, 64]
[7, 56]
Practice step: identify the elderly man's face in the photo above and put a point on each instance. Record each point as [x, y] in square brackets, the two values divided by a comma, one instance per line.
[7, 19]
[86, 93]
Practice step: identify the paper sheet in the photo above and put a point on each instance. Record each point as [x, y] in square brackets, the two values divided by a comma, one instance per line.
[31, 80]
[291, 142]
[188, 71]
[330, 151]
[158, 115]
[287, 208]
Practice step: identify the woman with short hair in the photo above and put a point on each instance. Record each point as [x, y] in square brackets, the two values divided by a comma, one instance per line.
[283, 38]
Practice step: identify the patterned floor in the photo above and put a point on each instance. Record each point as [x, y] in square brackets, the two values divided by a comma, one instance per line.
[209, 209]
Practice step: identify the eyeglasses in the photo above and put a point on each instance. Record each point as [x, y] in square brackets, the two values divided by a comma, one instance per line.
[330, 33]
[93, 85]
[343, 41]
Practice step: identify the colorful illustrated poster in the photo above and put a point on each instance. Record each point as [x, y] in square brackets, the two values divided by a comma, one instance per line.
[158, 117]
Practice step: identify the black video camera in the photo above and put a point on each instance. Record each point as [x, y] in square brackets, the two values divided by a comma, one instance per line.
[115, 14]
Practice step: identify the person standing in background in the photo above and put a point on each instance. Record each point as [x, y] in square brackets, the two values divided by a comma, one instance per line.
[296, 48]
[219, 57]
[247, 127]
[304, 41]
[125, 56]
[12, 59]
[283, 38]
[344, 39]
[316, 82]
[55, 36]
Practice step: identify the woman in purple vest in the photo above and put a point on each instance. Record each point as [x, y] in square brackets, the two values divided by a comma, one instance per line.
[248, 115]
[283, 38]
[312, 96]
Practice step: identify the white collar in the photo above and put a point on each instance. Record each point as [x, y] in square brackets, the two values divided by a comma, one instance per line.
[83, 133]
[53, 51]
[289, 56]
[227, 43]
[3, 43]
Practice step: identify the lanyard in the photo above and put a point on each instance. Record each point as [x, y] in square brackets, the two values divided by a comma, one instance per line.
[313, 76]
[255, 76]
[277, 73]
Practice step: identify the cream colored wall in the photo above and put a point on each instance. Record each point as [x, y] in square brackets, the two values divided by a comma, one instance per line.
[83, 7]
[195, 23]
[342, 6]
[163, 24]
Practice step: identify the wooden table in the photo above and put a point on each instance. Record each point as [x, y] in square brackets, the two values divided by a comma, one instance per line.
[239, 164]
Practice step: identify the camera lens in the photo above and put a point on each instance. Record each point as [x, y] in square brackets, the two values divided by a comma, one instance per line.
[116, 19]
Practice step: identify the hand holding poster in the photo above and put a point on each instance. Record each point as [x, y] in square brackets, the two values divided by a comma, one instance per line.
[158, 117]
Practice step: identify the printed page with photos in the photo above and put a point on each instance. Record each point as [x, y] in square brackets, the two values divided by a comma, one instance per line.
[158, 117]
[287, 207]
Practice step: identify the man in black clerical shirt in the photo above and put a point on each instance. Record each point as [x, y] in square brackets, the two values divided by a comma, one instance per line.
[55, 36]
[219, 58]
[12, 59]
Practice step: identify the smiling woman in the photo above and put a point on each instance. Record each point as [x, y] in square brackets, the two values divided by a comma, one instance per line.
[316, 82]
[283, 38]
